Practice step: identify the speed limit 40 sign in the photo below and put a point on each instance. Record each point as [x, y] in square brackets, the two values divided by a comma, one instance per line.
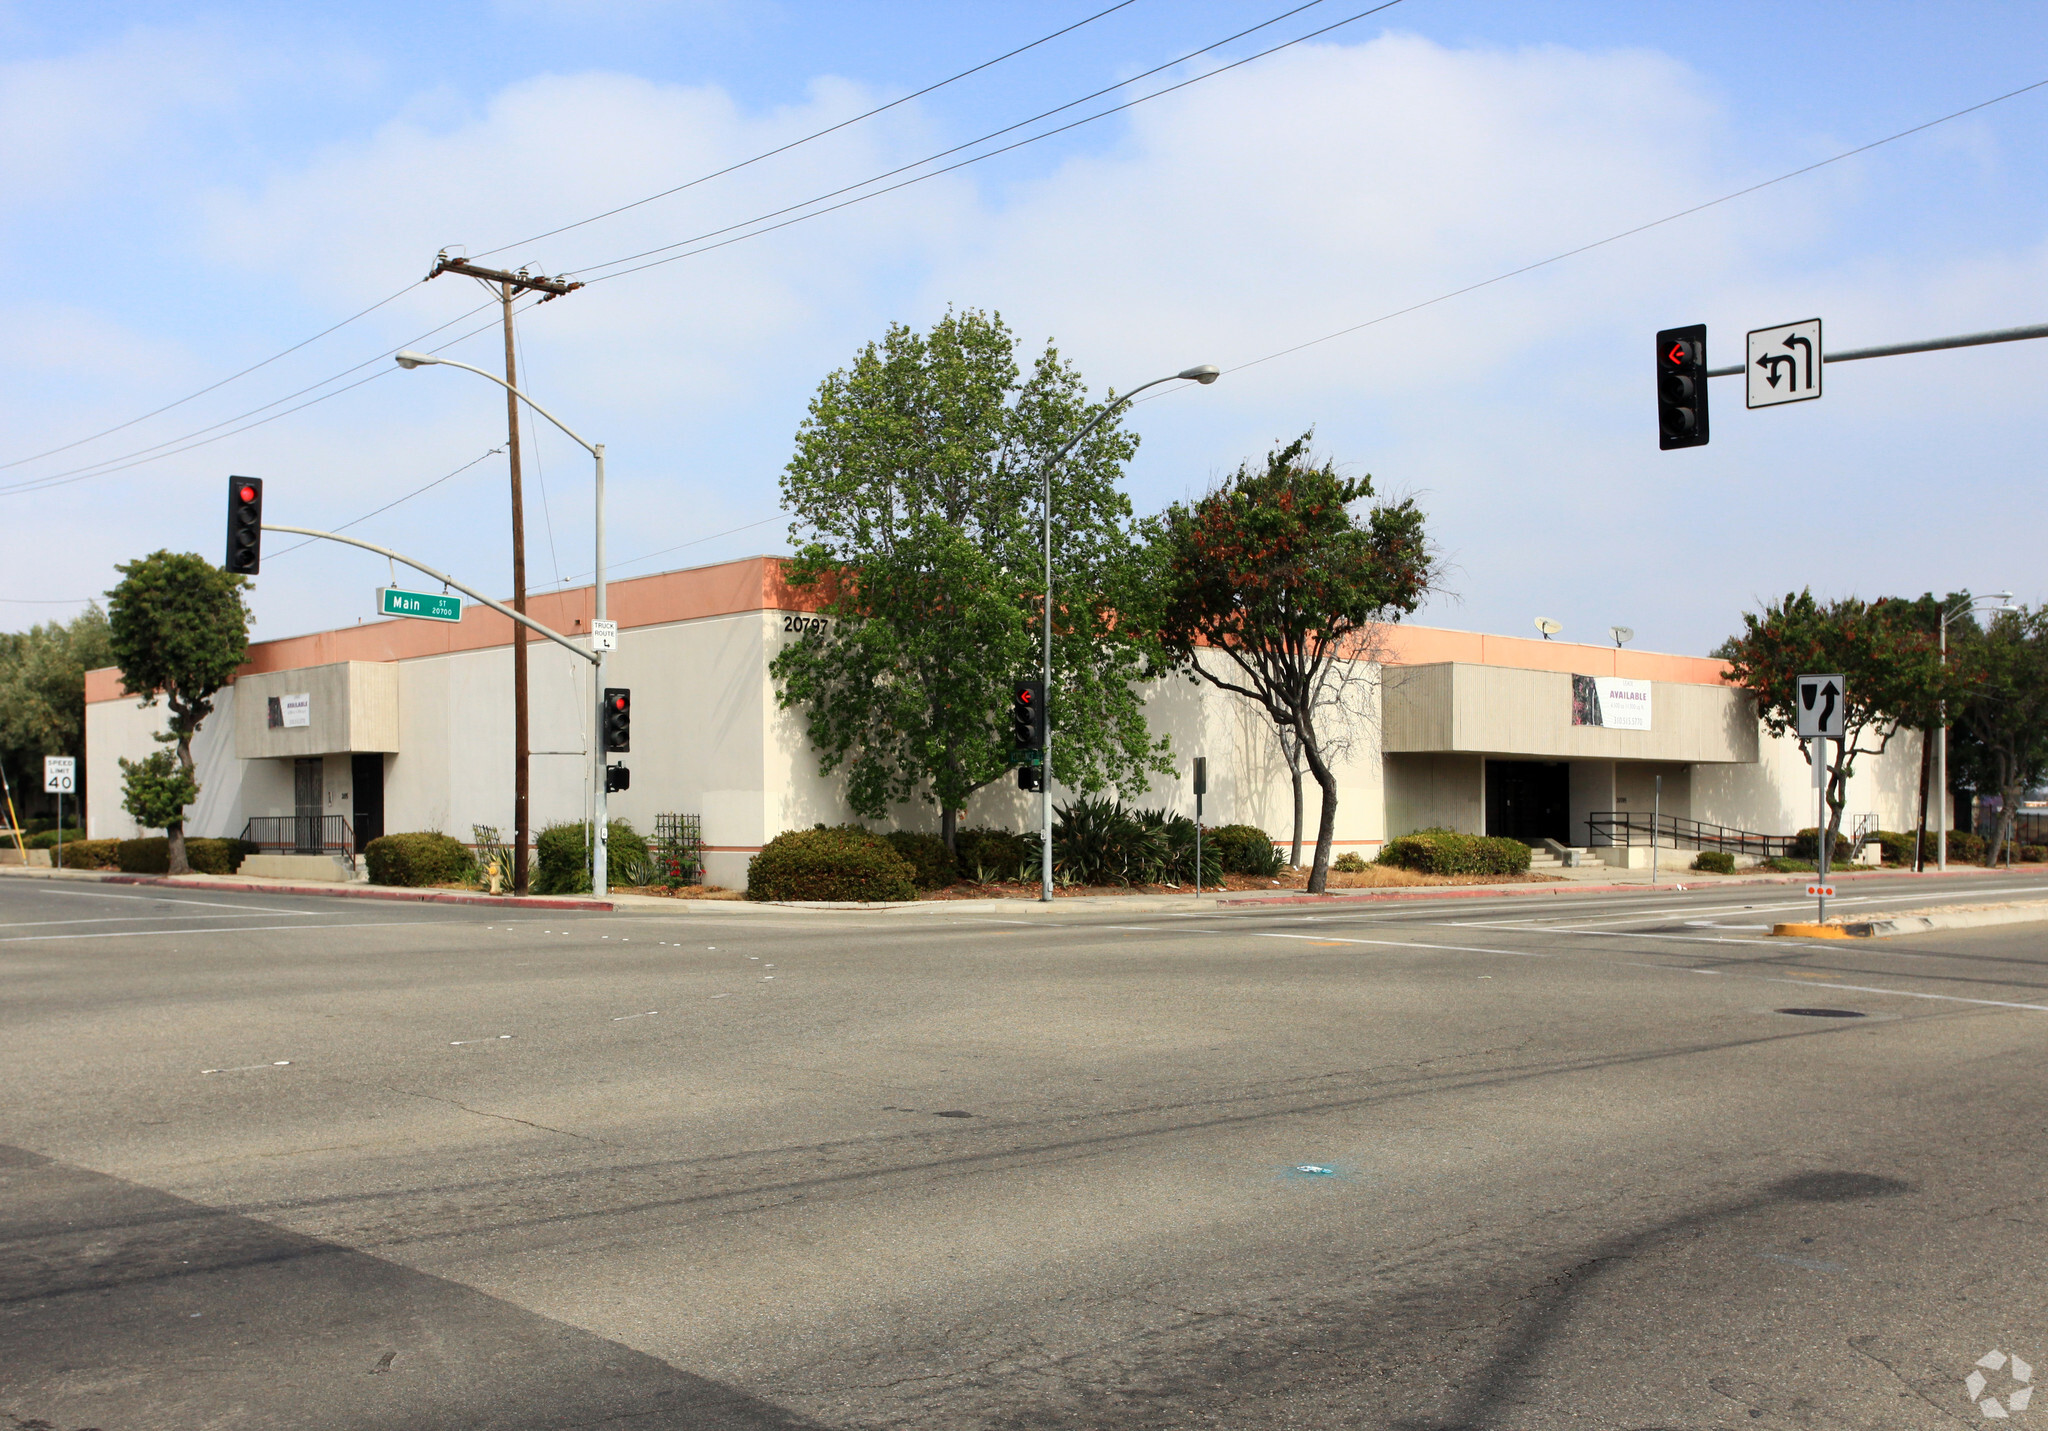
[60, 774]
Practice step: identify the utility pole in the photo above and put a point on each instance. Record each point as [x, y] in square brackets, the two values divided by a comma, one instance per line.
[510, 286]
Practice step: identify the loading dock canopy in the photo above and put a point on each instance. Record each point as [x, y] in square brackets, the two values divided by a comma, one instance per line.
[1500, 710]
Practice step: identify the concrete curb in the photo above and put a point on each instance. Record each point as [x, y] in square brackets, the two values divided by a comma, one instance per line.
[330, 891]
[1907, 922]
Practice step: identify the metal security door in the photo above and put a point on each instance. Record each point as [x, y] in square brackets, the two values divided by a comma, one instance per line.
[307, 797]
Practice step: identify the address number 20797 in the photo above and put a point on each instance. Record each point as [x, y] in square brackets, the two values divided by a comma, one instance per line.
[804, 625]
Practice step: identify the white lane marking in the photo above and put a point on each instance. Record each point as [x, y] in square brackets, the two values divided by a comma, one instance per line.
[169, 899]
[648, 1015]
[1980, 897]
[1406, 944]
[229, 929]
[1874, 989]
[245, 1068]
[261, 928]
[1155, 929]
[108, 919]
[459, 1042]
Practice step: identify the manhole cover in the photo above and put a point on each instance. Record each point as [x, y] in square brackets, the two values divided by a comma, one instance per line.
[1823, 1013]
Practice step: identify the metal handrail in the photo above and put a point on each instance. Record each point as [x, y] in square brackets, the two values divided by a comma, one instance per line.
[303, 834]
[1622, 827]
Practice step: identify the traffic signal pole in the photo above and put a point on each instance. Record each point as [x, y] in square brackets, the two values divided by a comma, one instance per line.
[1923, 345]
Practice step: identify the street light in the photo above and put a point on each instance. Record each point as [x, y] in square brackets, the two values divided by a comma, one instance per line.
[1203, 373]
[1997, 601]
[599, 871]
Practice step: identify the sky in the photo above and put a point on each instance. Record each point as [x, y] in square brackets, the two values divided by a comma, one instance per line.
[192, 190]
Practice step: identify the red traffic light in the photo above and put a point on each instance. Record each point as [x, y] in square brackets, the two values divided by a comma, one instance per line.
[247, 494]
[1024, 695]
[618, 703]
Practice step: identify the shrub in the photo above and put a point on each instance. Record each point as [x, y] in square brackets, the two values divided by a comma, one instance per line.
[419, 857]
[927, 856]
[43, 839]
[563, 857]
[1965, 846]
[2033, 854]
[80, 854]
[1447, 852]
[153, 855]
[1897, 847]
[1095, 840]
[1244, 850]
[1714, 862]
[1350, 862]
[994, 854]
[842, 863]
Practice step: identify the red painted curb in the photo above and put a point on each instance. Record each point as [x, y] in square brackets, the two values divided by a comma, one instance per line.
[414, 896]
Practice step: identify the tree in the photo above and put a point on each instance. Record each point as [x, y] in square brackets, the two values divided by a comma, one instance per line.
[155, 791]
[915, 488]
[2003, 719]
[179, 631]
[1880, 648]
[42, 694]
[1274, 574]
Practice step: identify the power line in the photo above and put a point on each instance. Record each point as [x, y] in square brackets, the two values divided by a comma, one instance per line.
[1627, 233]
[983, 139]
[364, 313]
[818, 134]
[102, 470]
[694, 541]
[393, 503]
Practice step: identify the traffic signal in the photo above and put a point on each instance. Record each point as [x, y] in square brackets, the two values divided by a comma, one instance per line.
[1028, 778]
[245, 524]
[1682, 387]
[617, 778]
[1027, 715]
[618, 720]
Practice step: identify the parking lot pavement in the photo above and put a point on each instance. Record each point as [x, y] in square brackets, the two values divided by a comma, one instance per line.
[1620, 1161]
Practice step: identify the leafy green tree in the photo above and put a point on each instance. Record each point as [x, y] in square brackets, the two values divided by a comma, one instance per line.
[155, 791]
[1272, 578]
[179, 631]
[2000, 737]
[915, 489]
[42, 695]
[1880, 648]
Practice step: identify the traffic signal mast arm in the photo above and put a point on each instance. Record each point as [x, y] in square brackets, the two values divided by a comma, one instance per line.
[1925, 345]
[503, 610]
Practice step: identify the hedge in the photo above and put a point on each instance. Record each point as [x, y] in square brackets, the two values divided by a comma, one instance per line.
[1446, 852]
[81, 854]
[46, 838]
[993, 854]
[1714, 862]
[927, 855]
[1243, 850]
[418, 857]
[153, 855]
[1350, 862]
[842, 863]
[563, 863]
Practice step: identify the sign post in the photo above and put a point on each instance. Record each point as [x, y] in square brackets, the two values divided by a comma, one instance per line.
[1201, 789]
[60, 778]
[1822, 711]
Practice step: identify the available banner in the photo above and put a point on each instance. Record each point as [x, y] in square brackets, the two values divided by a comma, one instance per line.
[1611, 701]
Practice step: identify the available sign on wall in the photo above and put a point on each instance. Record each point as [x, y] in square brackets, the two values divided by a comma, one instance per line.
[287, 711]
[1611, 701]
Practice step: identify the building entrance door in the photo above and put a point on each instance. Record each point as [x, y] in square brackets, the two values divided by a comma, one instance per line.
[1529, 800]
[367, 773]
[308, 805]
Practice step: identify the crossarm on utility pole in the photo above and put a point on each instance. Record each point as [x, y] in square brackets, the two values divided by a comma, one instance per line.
[446, 580]
[1924, 345]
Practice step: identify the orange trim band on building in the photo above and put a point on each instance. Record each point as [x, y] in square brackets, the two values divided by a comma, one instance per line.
[759, 584]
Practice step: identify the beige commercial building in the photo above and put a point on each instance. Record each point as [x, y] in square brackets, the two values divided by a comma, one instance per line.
[329, 739]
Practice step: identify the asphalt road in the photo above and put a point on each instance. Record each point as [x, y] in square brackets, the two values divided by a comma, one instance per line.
[1549, 1162]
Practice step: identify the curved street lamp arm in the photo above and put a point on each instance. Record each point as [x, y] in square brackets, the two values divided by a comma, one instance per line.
[1108, 410]
[487, 373]
[445, 580]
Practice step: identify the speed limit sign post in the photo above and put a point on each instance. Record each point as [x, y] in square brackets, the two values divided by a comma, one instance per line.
[60, 778]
